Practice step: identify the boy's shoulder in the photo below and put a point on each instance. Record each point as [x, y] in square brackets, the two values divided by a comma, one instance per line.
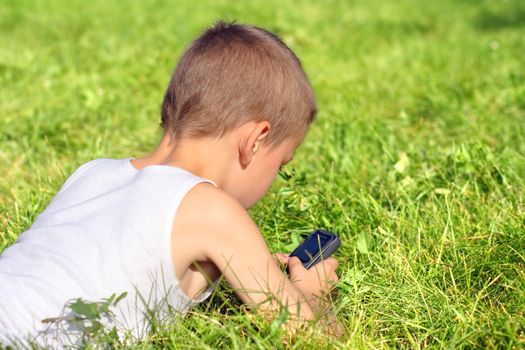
[207, 204]
[102, 167]
[90, 180]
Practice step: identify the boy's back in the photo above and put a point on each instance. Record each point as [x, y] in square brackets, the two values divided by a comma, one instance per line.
[101, 235]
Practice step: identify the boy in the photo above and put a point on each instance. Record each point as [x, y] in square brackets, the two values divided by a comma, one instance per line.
[163, 227]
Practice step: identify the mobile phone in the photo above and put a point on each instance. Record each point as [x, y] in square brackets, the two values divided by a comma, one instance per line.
[317, 246]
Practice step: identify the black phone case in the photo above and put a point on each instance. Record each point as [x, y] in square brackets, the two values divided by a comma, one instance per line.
[326, 251]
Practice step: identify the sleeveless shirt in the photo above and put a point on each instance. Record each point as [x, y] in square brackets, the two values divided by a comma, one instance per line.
[108, 230]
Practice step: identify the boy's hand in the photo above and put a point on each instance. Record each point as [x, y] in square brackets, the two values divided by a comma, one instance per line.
[317, 284]
[326, 316]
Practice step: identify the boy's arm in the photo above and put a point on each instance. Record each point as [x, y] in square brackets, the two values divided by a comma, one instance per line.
[240, 252]
[221, 231]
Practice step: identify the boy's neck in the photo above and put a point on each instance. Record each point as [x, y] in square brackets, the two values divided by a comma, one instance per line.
[210, 158]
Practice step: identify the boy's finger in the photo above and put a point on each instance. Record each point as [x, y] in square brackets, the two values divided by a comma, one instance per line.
[334, 278]
[281, 258]
[295, 263]
[332, 262]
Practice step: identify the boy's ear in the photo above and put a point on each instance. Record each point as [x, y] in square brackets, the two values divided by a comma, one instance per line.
[252, 141]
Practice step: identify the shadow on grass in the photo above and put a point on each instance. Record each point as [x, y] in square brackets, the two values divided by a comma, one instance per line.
[508, 18]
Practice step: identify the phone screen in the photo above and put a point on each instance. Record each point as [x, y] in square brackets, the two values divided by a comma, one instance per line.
[311, 246]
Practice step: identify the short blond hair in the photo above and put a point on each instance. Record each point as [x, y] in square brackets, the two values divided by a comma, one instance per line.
[235, 73]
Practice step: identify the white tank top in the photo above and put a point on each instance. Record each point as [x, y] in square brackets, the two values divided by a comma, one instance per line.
[108, 230]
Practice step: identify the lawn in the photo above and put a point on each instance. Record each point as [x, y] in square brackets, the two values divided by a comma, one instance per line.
[417, 159]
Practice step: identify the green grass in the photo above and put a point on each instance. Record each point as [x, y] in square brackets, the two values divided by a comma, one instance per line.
[417, 159]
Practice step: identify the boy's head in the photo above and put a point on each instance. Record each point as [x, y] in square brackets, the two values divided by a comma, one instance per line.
[233, 74]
